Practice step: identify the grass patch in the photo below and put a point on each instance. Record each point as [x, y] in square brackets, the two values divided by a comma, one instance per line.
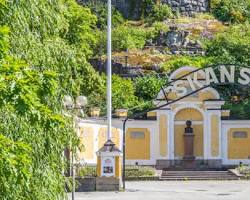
[139, 171]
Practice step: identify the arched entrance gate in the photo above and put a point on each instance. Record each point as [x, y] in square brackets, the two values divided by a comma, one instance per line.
[191, 95]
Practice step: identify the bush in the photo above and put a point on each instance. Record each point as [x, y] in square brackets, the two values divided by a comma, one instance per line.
[234, 11]
[87, 171]
[232, 46]
[160, 12]
[138, 171]
[123, 95]
[245, 170]
[147, 87]
[127, 37]
[180, 61]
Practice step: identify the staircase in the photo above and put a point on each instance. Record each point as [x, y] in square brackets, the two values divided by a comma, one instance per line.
[197, 175]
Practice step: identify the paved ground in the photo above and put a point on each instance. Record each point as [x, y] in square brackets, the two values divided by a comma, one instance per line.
[191, 190]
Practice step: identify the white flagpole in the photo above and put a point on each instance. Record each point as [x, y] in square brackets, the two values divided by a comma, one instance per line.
[109, 72]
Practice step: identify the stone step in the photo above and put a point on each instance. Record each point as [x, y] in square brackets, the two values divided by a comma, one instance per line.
[198, 179]
[198, 175]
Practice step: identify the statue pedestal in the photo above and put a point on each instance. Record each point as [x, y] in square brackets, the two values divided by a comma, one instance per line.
[189, 158]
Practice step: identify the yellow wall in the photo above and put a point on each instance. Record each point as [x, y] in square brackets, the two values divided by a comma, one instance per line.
[87, 140]
[215, 135]
[98, 166]
[188, 114]
[151, 114]
[206, 95]
[102, 137]
[138, 148]
[118, 167]
[163, 135]
[179, 140]
[238, 148]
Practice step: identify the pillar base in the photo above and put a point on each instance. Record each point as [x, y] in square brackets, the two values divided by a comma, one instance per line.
[107, 184]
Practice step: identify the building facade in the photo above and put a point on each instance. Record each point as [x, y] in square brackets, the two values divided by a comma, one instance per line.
[159, 140]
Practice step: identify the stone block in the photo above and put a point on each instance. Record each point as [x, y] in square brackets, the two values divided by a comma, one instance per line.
[215, 163]
[86, 184]
[107, 184]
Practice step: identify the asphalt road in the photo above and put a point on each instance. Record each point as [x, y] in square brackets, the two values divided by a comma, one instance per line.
[189, 190]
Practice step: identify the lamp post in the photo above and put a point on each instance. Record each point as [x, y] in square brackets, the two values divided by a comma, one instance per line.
[72, 106]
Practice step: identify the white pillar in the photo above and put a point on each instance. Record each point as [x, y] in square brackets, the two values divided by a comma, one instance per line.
[109, 72]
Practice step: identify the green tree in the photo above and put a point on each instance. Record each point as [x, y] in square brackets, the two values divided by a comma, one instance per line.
[234, 11]
[232, 46]
[15, 169]
[54, 35]
[147, 87]
[123, 95]
[160, 12]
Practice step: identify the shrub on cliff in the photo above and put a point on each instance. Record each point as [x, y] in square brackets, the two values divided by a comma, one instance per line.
[233, 11]
[160, 12]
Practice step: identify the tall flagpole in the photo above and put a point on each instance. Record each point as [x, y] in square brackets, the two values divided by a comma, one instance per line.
[109, 72]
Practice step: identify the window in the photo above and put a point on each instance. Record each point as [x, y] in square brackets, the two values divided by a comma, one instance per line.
[137, 135]
[240, 134]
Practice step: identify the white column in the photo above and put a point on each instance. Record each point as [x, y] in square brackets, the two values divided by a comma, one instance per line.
[171, 135]
[210, 113]
[109, 73]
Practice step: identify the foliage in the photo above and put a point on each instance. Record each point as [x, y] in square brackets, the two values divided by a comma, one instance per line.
[140, 7]
[239, 110]
[81, 23]
[160, 12]
[100, 10]
[138, 171]
[234, 11]
[37, 68]
[123, 95]
[28, 98]
[15, 169]
[244, 170]
[87, 171]
[233, 46]
[147, 87]
[180, 61]
[56, 35]
[4, 41]
[128, 37]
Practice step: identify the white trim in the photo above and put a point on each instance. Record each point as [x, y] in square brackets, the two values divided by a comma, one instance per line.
[184, 122]
[182, 69]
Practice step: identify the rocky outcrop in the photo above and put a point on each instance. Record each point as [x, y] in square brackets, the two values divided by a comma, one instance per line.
[188, 7]
[177, 42]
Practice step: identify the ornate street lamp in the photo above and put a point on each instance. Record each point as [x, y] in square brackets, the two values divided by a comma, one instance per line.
[72, 106]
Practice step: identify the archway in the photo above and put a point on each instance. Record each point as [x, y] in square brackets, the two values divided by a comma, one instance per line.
[181, 117]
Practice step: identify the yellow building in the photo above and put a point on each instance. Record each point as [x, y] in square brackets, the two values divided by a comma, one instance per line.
[159, 139]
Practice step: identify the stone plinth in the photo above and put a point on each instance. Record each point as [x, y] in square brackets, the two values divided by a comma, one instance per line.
[107, 184]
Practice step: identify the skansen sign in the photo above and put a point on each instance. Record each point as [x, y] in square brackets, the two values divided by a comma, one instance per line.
[205, 77]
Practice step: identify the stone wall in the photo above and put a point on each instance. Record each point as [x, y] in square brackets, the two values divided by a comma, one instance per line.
[184, 7]
[188, 7]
